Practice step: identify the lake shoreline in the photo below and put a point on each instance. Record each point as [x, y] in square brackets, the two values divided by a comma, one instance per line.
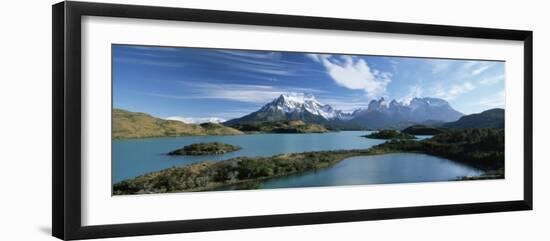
[232, 171]
[373, 151]
[135, 157]
[481, 149]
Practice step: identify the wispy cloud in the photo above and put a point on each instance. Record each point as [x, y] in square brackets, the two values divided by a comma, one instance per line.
[249, 75]
[453, 91]
[243, 57]
[477, 67]
[255, 94]
[151, 62]
[414, 91]
[494, 101]
[462, 78]
[480, 69]
[251, 54]
[266, 63]
[345, 104]
[354, 73]
[260, 62]
[439, 65]
[196, 120]
[492, 80]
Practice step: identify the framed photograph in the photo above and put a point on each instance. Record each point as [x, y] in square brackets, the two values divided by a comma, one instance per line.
[169, 120]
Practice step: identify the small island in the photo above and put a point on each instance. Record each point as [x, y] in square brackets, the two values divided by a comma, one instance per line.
[291, 126]
[423, 130]
[210, 148]
[389, 135]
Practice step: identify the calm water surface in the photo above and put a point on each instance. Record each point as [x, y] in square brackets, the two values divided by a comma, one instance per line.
[380, 169]
[139, 156]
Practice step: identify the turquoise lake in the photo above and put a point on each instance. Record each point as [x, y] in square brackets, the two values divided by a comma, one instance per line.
[382, 169]
[131, 158]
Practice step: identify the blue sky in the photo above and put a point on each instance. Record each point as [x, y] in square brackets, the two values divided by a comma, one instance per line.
[196, 85]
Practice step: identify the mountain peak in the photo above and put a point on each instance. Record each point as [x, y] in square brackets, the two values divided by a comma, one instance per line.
[381, 100]
[300, 103]
[379, 112]
[378, 105]
[297, 97]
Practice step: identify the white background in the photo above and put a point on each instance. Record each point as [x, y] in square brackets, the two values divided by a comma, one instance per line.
[25, 125]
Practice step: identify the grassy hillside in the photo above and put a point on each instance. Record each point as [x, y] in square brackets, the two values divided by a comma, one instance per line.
[293, 126]
[128, 124]
[493, 118]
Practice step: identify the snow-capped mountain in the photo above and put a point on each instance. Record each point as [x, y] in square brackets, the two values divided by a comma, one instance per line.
[383, 114]
[295, 106]
[291, 103]
[423, 109]
[378, 114]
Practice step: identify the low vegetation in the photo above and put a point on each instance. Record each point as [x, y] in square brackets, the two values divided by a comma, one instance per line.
[492, 174]
[292, 126]
[128, 124]
[422, 130]
[241, 170]
[493, 118]
[389, 135]
[210, 148]
[481, 148]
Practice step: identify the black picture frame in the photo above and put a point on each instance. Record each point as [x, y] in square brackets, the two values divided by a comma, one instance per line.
[66, 75]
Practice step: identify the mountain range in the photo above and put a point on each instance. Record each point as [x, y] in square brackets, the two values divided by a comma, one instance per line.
[378, 114]
[304, 114]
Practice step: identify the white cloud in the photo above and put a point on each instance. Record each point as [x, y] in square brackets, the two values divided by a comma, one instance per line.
[480, 69]
[354, 73]
[477, 67]
[492, 80]
[414, 91]
[260, 62]
[255, 94]
[258, 67]
[344, 104]
[471, 71]
[251, 54]
[470, 64]
[318, 57]
[439, 65]
[196, 120]
[454, 90]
